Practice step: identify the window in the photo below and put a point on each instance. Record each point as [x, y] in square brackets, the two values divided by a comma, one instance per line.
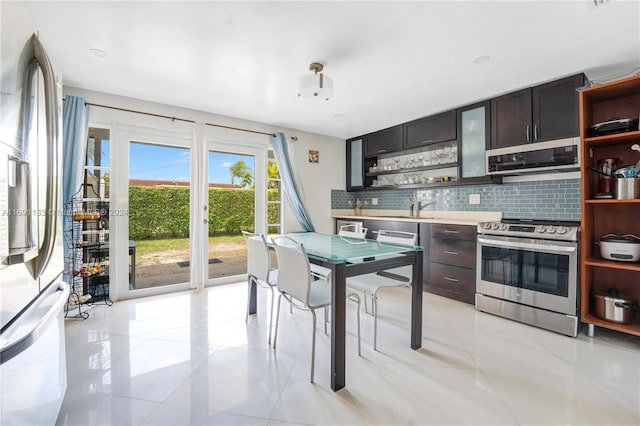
[96, 176]
[274, 196]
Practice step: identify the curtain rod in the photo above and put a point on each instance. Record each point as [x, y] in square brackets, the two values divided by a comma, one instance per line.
[178, 119]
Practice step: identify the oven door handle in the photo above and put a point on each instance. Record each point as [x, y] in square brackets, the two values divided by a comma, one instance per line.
[524, 245]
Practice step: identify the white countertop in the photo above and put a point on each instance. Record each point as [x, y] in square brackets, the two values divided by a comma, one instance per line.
[428, 216]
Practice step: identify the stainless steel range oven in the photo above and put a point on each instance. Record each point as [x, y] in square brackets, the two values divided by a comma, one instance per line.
[528, 272]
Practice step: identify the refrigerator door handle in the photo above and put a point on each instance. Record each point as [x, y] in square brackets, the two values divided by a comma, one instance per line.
[52, 111]
[25, 340]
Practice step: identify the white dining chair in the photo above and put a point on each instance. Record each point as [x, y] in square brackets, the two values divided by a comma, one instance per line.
[352, 233]
[371, 284]
[300, 289]
[352, 230]
[260, 270]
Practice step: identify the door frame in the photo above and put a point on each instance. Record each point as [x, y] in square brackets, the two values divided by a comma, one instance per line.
[183, 135]
[260, 195]
[122, 136]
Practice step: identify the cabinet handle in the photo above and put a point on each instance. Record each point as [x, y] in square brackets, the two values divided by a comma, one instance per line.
[528, 138]
[451, 279]
[451, 252]
[448, 231]
[535, 132]
[426, 142]
[380, 151]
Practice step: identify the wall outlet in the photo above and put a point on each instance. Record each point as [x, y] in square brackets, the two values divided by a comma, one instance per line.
[374, 201]
[474, 198]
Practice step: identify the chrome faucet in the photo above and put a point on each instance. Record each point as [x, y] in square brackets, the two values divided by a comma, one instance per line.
[414, 210]
[422, 206]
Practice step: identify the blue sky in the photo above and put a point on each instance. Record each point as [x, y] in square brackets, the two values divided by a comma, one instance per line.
[163, 162]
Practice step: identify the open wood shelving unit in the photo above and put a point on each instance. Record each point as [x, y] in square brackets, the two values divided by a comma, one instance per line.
[619, 99]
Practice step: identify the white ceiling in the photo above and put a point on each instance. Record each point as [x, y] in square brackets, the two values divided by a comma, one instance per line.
[390, 61]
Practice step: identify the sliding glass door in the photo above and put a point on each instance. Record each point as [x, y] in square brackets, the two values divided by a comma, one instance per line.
[159, 209]
[184, 204]
[236, 202]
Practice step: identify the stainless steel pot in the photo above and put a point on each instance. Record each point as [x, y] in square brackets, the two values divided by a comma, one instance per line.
[627, 188]
[610, 306]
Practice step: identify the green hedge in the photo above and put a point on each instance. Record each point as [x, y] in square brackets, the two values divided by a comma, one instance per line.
[163, 212]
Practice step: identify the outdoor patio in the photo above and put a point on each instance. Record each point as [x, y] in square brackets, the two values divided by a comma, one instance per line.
[229, 260]
[165, 274]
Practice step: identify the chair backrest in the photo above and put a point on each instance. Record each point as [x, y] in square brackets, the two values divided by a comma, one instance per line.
[258, 258]
[294, 274]
[352, 231]
[399, 238]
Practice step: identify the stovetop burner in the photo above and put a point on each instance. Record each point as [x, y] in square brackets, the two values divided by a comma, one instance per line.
[561, 230]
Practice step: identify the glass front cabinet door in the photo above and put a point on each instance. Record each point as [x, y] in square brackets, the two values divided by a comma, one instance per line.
[474, 136]
[355, 175]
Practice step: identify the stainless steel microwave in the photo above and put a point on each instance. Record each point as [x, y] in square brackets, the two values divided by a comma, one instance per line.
[551, 156]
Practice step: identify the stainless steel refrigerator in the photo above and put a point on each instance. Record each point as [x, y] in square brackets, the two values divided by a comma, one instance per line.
[32, 291]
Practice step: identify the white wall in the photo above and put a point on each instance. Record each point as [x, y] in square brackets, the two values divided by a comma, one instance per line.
[317, 180]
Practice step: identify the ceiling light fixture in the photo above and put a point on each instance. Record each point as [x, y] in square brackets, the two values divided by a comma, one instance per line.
[599, 2]
[316, 86]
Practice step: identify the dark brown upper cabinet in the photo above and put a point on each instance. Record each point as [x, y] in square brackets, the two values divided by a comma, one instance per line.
[555, 109]
[511, 119]
[428, 130]
[355, 164]
[474, 136]
[538, 114]
[383, 141]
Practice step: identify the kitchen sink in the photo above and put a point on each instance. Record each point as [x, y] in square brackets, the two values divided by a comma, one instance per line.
[405, 217]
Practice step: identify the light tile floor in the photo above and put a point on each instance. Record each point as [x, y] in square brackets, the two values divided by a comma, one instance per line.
[190, 358]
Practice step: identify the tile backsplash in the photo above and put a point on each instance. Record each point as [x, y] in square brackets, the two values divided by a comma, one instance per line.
[540, 199]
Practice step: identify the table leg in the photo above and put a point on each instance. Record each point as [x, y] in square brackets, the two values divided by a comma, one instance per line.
[253, 296]
[338, 324]
[416, 303]
[132, 271]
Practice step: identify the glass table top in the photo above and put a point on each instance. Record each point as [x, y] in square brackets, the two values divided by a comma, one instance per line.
[336, 249]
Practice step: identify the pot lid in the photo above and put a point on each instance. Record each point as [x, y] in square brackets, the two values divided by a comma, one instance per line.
[612, 294]
[618, 238]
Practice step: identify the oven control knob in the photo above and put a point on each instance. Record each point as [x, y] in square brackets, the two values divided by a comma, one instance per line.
[551, 229]
[503, 227]
[561, 230]
[486, 225]
[540, 229]
[494, 226]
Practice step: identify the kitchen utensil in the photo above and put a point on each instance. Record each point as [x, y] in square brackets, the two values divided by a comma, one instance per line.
[626, 172]
[610, 306]
[614, 125]
[635, 147]
[606, 168]
[624, 248]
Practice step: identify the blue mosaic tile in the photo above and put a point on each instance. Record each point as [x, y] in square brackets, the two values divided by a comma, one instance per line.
[553, 199]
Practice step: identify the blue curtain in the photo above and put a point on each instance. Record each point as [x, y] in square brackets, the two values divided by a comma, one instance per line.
[291, 192]
[75, 124]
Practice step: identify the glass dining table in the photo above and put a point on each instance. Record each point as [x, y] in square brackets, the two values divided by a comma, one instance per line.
[346, 257]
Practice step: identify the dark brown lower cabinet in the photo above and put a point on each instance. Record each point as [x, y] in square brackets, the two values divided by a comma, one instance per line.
[451, 267]
[373, 226]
